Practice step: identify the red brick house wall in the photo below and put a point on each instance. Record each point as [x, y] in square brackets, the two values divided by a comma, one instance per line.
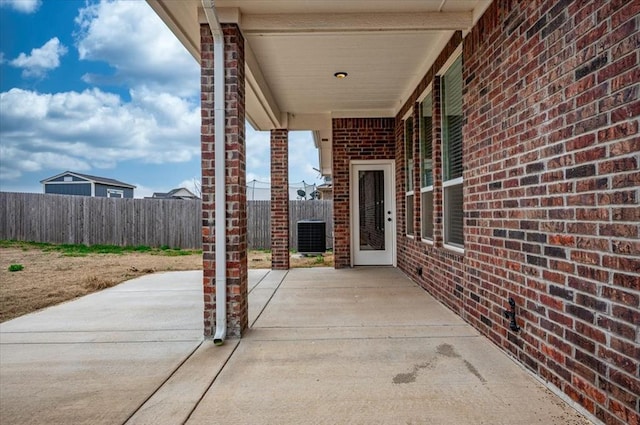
[354, 139]
[437, 269]
[552, 195]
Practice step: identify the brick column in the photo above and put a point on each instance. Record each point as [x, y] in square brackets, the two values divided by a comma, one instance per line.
[280, 199]
[236, 200]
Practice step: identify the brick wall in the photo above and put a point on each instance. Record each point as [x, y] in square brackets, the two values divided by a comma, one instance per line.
[279, 199]
[236, 243]
[439, 270]
[354, 139]
[552, 196]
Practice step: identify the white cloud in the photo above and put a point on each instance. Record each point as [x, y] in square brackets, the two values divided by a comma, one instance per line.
[258, 154]
[193, 185]
[143, 191]
[138, 45]
[23, 6]
[41, 60]
[303, 156]
[93, 129]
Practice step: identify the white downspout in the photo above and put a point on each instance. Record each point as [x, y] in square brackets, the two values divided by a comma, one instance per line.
[220, 185]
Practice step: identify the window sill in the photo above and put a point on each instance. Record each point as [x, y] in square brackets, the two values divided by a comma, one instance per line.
[454, 248]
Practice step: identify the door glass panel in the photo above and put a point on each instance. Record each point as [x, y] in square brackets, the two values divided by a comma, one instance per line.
[371, 210]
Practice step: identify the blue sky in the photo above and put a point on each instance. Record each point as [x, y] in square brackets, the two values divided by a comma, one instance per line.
[104, 88]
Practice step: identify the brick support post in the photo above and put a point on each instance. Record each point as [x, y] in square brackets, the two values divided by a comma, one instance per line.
[280, 199]
[236, 202]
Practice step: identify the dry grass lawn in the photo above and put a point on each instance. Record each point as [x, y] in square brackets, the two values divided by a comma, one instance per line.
[51, 277]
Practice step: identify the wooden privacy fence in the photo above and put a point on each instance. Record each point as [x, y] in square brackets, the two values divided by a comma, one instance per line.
[132, 222]
[92, 221]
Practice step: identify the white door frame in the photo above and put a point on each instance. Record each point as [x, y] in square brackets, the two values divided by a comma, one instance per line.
[353, 203]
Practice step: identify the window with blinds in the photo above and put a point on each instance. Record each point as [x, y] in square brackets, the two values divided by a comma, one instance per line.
[409, 167]
[408, 152]
[426, 141]
[427, 214]
[452, 154]
[454, 215]
[426, 167]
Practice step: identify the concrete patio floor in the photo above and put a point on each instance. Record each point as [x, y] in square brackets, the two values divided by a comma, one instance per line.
[354, 346]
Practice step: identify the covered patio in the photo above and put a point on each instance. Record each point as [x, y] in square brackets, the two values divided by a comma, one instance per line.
[344, 70]
[488, 149]
[325, 346]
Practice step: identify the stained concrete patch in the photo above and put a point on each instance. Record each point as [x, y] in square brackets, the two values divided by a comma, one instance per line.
[447, 350]
[471, 368]
[406, 378]
[442, 350]
[350, 381]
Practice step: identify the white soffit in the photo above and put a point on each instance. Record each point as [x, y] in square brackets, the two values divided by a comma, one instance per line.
[257, 7]
[386, 47]
[295, 47]
[299, 69]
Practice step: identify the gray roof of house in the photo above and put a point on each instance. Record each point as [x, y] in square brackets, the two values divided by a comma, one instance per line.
[172, 193]
[95, 179]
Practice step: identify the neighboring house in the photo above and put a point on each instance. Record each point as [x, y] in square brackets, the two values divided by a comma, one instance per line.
[325, 190]
[71, 183]
[488, 149]
[179, 193]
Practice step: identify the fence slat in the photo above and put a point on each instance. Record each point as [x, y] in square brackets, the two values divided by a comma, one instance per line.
[131, 222]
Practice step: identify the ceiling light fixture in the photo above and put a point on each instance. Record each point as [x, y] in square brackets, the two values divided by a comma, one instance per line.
[340, 75]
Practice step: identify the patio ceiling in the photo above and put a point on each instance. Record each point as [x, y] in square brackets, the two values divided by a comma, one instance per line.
[294, 47]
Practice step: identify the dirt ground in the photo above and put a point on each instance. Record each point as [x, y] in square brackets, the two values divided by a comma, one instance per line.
[49, 278]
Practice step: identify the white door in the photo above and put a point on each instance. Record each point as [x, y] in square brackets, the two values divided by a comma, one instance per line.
[372, 213]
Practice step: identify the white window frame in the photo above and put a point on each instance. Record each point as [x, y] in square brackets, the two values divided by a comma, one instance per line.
[115, 192]
[408, 193]
[424, 189]
[452, 182]
[449, 183]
